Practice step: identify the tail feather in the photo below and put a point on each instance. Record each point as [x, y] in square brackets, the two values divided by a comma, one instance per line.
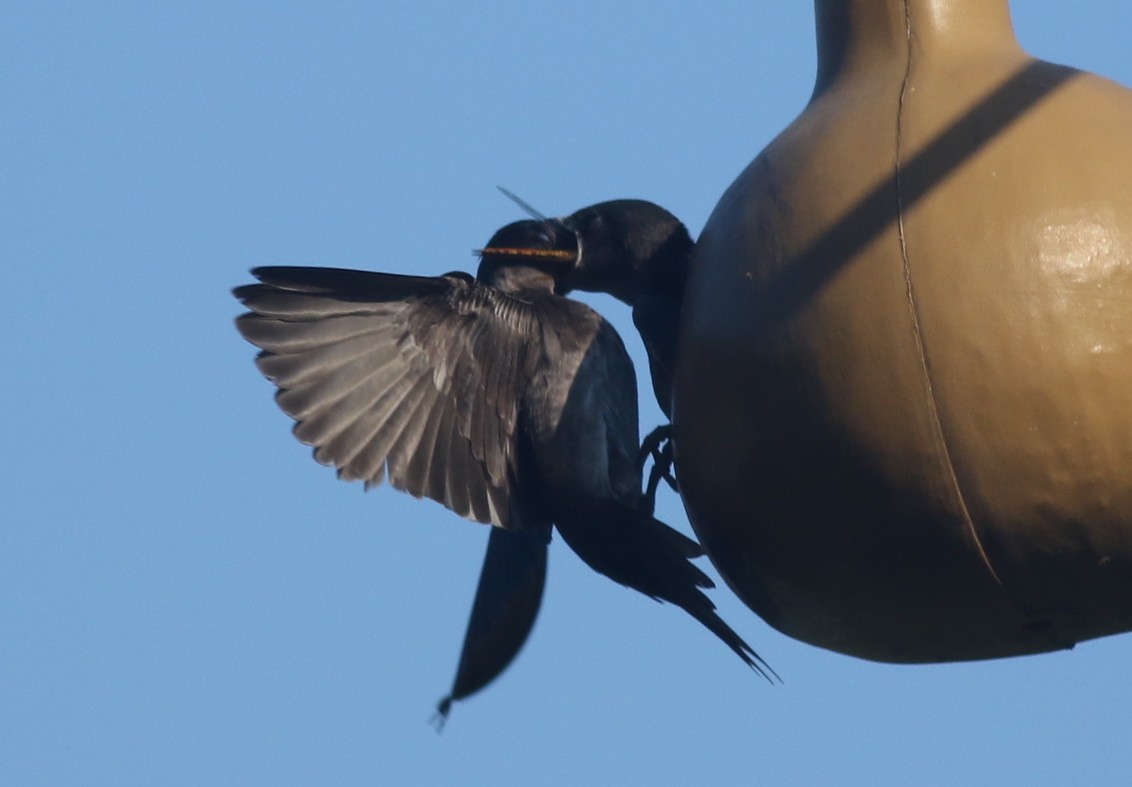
[506, 605]
[636, 550]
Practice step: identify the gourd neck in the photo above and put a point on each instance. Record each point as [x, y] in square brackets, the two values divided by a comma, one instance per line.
[853, 34]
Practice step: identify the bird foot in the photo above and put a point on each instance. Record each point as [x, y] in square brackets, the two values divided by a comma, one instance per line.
[658, 445]
[651, 445]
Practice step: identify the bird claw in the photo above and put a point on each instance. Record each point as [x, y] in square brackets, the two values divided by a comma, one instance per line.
[651, 445]
[658, 445]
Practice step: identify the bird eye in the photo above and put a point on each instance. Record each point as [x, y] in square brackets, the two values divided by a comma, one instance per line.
[544, 237]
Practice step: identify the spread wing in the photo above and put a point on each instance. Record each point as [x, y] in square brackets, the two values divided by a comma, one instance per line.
[413, 378]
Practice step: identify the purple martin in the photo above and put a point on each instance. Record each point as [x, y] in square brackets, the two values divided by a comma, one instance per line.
[496, 396]
[639, 253]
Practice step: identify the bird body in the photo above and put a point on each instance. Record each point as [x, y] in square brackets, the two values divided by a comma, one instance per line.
[495, 396]
[639, 253]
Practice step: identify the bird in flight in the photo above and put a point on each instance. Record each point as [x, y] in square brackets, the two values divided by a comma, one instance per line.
[496, 396]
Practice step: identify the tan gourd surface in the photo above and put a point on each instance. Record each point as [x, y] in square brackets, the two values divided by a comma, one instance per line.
[903, 406]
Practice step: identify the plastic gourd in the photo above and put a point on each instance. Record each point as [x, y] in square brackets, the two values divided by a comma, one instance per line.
[903, 408]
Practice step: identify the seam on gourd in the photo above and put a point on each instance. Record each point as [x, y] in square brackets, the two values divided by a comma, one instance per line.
[933, 405]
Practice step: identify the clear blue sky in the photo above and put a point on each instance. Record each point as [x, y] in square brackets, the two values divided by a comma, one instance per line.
[187, 598]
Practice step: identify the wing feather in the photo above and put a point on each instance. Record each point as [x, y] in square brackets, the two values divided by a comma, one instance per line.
[413, 378]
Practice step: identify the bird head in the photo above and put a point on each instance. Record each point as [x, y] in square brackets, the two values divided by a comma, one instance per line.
[529, 255]
[628, 248]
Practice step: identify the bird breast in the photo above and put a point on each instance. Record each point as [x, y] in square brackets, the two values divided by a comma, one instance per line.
[581, 413]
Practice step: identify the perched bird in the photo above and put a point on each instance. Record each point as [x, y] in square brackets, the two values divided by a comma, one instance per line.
[495, 396]
[639, 253]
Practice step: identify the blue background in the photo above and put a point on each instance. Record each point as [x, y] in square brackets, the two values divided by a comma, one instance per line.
[187, 598]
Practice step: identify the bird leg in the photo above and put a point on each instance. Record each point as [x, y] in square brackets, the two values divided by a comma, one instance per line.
[658, 445]
[650, 446]
[662, 468]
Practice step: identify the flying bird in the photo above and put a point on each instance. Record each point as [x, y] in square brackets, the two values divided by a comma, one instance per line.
[496, 396]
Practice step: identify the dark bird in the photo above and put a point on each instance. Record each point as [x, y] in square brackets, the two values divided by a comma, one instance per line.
[495, 396]
[639, 253]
